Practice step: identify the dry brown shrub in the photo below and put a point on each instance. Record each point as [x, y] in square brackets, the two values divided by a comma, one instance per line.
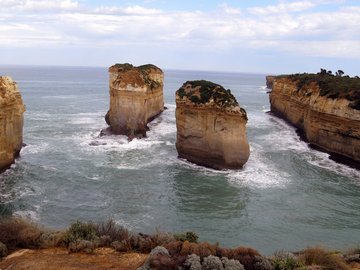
[206, 249]
[161, 239]
[222, 252]
[114, 231]
[185, 250]
[174, 247]
[18, 233]
[245, 255]
[162, 262]
[326, 259]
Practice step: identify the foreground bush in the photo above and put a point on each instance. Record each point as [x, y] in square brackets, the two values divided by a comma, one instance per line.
[326, 259]
[18, 233]
[80, 231]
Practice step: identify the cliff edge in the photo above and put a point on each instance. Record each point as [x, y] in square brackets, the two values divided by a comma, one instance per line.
[325, 108]
[211, 126]
[11, 122]
[136, 98]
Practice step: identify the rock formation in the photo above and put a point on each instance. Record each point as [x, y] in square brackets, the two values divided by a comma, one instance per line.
[11, 122]
[324, 109]
[211, 126]
[269, 81]
[136, 98]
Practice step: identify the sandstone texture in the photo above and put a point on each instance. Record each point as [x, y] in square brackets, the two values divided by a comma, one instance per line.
[327, 119]
[11, 122]
[136, 98]
[270, 81]
[211, 126]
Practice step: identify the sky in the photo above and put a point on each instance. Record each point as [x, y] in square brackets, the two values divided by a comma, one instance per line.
[254, 36]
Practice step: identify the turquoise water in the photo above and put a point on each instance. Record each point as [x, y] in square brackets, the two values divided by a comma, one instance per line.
[288, 196]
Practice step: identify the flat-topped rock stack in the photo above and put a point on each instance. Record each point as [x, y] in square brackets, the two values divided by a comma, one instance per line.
[211, 126]
[136, 98]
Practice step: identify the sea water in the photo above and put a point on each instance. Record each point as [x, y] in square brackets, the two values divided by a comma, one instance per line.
[287, 196]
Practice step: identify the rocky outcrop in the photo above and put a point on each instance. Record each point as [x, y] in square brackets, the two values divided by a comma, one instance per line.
[325, 116]
[136, 98]
[269, 81]
[211, 126]
[11, 122]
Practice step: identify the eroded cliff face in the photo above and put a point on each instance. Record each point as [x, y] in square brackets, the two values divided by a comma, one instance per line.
[136, 98]
[211, 126]
[330, 124]
[11, 122]
[270, 81]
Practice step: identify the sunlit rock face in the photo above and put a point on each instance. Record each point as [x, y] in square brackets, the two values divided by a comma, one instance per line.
[136, 98]
[332, 124]
[12, 109]
[211, 126]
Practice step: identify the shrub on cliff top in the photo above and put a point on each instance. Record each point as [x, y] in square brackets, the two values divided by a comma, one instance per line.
[331, 86]
[80, 231]
[203, 91]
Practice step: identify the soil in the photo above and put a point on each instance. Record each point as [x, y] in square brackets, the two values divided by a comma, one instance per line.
[60, 259]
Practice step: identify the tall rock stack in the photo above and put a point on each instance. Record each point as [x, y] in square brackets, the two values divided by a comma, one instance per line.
[136, 98]
[211, 126]
[12, 109]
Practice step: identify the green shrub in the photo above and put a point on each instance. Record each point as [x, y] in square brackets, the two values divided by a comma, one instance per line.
[286, 261]
[80, 231]
[330, 86]
[192, 237]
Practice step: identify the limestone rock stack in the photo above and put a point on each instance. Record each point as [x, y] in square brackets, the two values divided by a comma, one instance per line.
[329, 117]
[136, 98]
[211, 126]
[11, 122]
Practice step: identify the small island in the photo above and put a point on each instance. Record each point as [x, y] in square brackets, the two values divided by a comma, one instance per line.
[136, 98]
[325, 108]
[12, 109]
[211, 126]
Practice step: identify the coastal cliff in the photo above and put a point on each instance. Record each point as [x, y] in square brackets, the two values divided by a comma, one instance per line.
[325, 108]
[211, 126]
[270, 81]
[11, 122]
[136, 98]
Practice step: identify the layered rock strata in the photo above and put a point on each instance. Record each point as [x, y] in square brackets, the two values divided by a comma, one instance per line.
[211, 126]
[328, 120]
[11, 122]
[136, 98]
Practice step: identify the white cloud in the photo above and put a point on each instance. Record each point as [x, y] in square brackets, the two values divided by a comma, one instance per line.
[289, 28]
[37, 5]
[283, 7]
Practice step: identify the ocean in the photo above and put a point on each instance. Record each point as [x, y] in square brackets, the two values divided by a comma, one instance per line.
[287, 197]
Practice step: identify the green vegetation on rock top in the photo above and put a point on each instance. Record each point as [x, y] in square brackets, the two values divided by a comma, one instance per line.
[201, 92]
[331, 86]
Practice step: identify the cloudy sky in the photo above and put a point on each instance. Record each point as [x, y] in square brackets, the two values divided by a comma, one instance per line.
[279, 36]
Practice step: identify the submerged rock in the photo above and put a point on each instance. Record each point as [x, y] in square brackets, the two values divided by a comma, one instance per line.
[136, 98]
[211, 126]
[12, 109]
